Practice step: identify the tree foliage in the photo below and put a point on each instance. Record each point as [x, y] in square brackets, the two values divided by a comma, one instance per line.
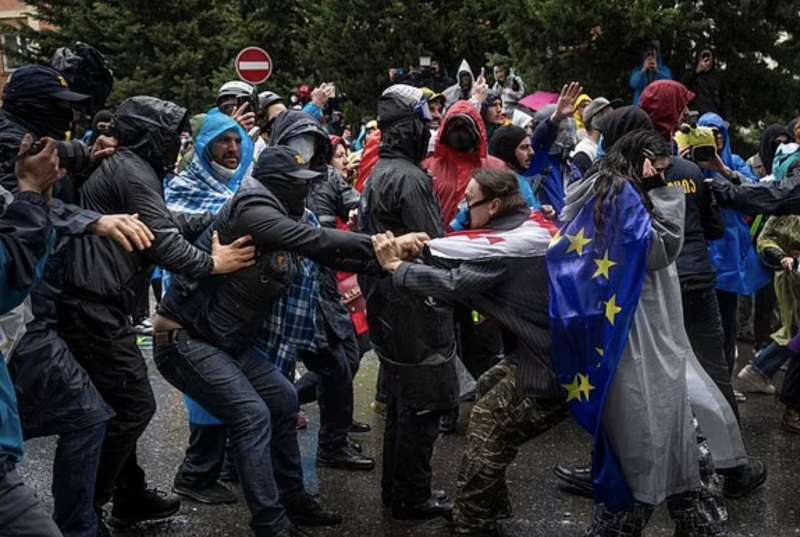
[184, 49]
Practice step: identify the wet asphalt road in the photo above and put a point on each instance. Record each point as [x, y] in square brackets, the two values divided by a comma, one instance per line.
[540, 509]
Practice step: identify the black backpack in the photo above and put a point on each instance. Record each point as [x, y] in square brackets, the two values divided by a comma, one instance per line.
[87, 71]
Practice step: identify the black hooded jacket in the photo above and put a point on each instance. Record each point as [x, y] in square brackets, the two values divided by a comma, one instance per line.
[413, 336]
[292, 123]
[100, 270]
[707, 88]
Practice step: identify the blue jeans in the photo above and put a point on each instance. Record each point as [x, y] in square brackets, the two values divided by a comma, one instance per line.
[770, 360]
[74, 476]
[259, 407]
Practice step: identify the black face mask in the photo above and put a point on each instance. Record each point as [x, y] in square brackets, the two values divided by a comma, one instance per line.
[290, 193]
[461, 138]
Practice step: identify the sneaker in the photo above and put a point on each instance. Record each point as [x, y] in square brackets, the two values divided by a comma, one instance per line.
[131, 508]
[753, 381]
[305, 510]
[212, 493]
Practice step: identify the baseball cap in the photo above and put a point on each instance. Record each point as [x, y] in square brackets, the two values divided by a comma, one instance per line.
[596, 106]
[37, 80]
[282, 160]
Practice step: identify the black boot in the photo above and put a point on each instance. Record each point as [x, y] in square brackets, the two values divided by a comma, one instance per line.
[360, 427]
[305, 510]
[132, 507]
[744, 479]
[427, 510]
[436, 494]
[344, 458]
[576, 480]
[212, 493]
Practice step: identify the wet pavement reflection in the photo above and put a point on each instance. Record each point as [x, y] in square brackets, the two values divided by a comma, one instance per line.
[540, 508]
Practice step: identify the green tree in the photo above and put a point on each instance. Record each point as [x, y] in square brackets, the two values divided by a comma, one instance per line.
[180, 50]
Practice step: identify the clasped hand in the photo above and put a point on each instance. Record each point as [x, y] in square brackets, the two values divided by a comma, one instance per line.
[391, 251]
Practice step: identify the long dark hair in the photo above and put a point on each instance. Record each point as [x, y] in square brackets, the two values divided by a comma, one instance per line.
[623, 164]
[502, 185]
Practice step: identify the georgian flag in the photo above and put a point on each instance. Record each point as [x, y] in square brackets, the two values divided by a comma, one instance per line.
[531, 239]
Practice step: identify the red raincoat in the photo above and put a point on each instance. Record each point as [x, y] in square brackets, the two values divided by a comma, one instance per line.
[664, 101]
[452, 170]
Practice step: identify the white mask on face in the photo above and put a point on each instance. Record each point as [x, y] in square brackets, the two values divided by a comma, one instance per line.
[223, 172]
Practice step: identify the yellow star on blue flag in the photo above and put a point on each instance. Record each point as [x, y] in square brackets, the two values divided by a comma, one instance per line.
[577, 242]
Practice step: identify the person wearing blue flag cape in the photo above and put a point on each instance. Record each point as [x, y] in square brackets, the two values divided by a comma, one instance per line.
[619, 354]
[496, 266]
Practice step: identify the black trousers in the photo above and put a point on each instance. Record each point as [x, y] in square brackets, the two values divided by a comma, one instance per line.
[763, 315]
[332, 386]
[701, 317]
[408, 440]
[102, 341]
[790, 393]
[729, 312]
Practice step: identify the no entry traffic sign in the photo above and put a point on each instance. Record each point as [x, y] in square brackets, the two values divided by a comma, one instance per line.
[253, 65]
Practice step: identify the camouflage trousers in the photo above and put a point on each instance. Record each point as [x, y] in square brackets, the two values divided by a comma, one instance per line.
[501, 421]
[696, 513]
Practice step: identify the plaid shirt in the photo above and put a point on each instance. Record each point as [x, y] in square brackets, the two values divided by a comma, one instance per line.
[294, 323]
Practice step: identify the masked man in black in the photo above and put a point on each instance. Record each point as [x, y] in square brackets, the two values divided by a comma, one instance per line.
[101, 282]
[207, 330]
[413, 336]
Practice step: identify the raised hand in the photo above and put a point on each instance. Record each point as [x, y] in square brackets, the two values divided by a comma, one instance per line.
[565, 106]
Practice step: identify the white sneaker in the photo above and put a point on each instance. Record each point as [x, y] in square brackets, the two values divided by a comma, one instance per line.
[753, 381]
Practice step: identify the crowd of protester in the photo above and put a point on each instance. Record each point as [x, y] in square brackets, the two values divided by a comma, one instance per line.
[274, 234]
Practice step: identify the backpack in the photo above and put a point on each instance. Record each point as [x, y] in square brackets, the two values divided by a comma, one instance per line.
[87, 71]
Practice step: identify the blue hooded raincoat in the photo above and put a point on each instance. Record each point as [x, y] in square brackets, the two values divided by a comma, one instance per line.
[738, 267]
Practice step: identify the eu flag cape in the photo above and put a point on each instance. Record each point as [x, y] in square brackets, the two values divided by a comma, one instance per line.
[596, 278]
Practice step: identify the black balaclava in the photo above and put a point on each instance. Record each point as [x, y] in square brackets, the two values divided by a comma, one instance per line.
[504, 143]
[292, 193]
[461, 134]
[43, 116]
[769, 144]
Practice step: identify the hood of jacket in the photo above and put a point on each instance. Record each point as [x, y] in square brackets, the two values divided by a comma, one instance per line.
[504, 143]
[714, 121]
[464, 68]
[451, 169]
[664, 101]
[148, 126]
[403, 133]
[293, 123]
[769, 144]
[463, 109]
[215, 125]
[621, 121]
